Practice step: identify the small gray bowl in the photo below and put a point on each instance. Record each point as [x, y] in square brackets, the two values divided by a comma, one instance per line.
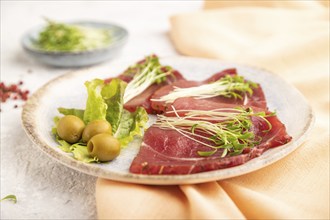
[77, 58]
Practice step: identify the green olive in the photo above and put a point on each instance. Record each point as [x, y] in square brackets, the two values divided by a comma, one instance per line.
[103, 146]
[96, 127]
[70, 128]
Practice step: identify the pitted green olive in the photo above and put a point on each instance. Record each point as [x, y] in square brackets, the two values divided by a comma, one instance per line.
[70, 128]
[96, 127]
[103, 146]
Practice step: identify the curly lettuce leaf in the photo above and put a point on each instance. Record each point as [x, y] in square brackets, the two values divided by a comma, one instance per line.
[96, 108]
[54, 128]
[64, 146]
[78, 150]
[72, 111]
[80, 153]
[113, 94]
[125, 125]
[105, 101]
[131, 125]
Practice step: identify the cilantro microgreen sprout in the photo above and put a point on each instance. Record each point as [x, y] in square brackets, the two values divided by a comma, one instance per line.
[9, 197]
[146, 73]
[228, 86]
[71, 37]
[225, 128]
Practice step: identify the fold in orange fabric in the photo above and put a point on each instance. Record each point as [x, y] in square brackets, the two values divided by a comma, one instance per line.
[291, 39]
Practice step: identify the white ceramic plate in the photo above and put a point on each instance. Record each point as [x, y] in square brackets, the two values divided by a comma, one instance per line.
[69, 91]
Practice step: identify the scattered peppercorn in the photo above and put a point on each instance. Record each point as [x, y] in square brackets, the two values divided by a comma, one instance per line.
[13, 92]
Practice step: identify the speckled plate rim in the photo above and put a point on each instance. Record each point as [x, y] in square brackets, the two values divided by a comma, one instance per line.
[29, 125]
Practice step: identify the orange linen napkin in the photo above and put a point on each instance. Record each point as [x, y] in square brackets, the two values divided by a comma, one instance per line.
[290, 38]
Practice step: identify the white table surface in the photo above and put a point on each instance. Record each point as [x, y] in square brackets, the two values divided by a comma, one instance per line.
[44, 188]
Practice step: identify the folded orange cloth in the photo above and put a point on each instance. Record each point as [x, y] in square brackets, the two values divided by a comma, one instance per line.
[290, 38]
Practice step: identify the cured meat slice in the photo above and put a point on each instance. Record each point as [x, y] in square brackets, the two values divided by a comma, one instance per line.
[143, 99]
[257, 99]
[166, 151]
[220, 74]
[190, 103]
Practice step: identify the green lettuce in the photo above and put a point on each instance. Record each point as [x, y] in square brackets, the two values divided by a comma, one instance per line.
[96, 108]
[131, 125]
[113, 95]
[64, 146]
[54, 128]
[72, 111]
[106, 102]
[125, 125]
[80, 152]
